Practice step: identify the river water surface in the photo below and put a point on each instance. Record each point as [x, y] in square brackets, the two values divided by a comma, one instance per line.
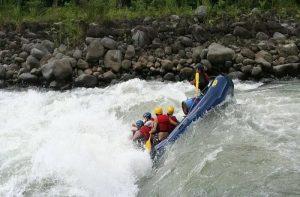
[75, 143]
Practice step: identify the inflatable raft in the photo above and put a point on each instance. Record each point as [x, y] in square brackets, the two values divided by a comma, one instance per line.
[220, 88]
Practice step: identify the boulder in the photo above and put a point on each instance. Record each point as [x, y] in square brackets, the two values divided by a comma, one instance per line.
[287, 50]
[95, 51]
[32, 62]
[85, 80]
[256, 72]
[142, 35]
[23, 55]
[169, 77]
[109, 76]
[248, 53]
[77, 54]
[218, 54]
[167, 65]
[47, 71]
[81, 64]
[130, 52]
[2, 72]
[113, 60]
[28, 78]
[201, 12]
[265, 64]
[292, 59]
[186, 41]
[241, 32]
[126, 64]
[199, 33]
[265, 55]
[262, 36]
[38, 54]
[292, 69]
[236, 75]
[62, 70]
[279, 36]
[247, 69]
[48, 45]
[108, 43]
[186, 73]
[197, 53]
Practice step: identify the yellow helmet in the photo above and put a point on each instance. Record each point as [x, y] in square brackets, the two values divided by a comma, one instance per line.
[170, 110]
[158, 111]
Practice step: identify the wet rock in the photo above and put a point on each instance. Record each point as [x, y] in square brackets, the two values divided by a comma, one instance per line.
[292, 69]
[130, 52]
[94, 51]
[81, 64]
[186, 73]
[237, 75]
[201, 12]
[287, 50]
[167, 65]
[85, 80]
[109, 76]
[113, 60]
[77, 54]
[219, 54]
[108, 43]
[38, 54]
[169, 77]
[126, 64]
[28, 78]
[248, 53]
[241, 32]
[256, 72]
[32, 62]
[262, 36]
[2, 72]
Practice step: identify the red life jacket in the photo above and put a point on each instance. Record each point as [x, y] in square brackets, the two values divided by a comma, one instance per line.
[172, 127]
[145, 131]
[163, 123]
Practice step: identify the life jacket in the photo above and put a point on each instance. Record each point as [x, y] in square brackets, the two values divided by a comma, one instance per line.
[172, 127]
[203, 81]
[163, 123]
[145, 131]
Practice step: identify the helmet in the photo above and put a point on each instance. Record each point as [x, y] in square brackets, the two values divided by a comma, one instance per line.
[147, 115]
[199, 67]
[158, 111]
[139, 123]
[170, 110]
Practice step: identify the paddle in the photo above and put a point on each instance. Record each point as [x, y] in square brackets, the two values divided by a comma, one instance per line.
[148, 144]
[197, 76]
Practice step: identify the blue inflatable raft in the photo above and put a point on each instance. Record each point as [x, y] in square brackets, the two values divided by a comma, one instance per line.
[221, 87]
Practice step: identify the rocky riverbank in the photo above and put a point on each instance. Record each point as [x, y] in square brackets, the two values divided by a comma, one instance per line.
[257, 45]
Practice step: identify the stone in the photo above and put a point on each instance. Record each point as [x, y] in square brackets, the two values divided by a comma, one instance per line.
[168, 50]
[236, 75]
[206, 64]
[292, 59]
[279, 36]
[88, 71]
[19, 60]
[186, 41]
[169, 77]
[47, 71]
[32, 62]
[108, 43]
[142, 35]
[113, 60]
[201, 12]
[186, 73]
[62, 70]
[130, 52]
[219, 54]
[241, 32]
[109, 76]
[167, 65]
[94, 51]
[62, 48]
[248, 53]
[2, 72]
[81, 64]
[262, 36]
[2, 84]
[38, 54]
[265, 55]
[248, 61]
[77, 54]
[159, 52]
[28, 78]
[247, 69]
[292, 69]
[287, 50]
[239, 58]
[126, 64]
[199, 33]
[36, 71]
[85, 80]
[23, 55]
[196, 56]
[48, 45]
[256, 72]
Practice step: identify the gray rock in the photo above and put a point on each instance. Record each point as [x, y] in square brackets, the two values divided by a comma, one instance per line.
[167, 65]
[241, 32]
[159, 52]
[47, 71]
[248, 61]
[219, 54]
[248, 53]
[239, 58]
[142, 36]
[130, 52]
[85, 80]
[256, 72]
[62, 48]
[108, 43]
[236, 75]
[36, 71]
[201, 12]
[19, 60]
[94, 51]
[2, 72]
[197, 53]
[292, 69]
[62, 70]
[265, 55]
[168, 50]
[81, 64]
[32, 62]
[247, 69]
[186, 73]
[113, 60]
[279, 36]
[287, 50]
[77, 54]
[126, 64]
[186, 41]
[27, 47]
[48, 45]
[38, 54]
[139, 38]
[262, 36]
[28, 78]
[109, 76]
[292, 59]
[169, 77]
[23, 55]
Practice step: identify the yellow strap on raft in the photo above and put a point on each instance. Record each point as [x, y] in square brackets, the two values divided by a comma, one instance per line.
[197, 76]
[148, 144]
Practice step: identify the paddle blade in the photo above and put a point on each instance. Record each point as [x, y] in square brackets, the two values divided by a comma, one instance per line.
[148, 145]
[197, 83]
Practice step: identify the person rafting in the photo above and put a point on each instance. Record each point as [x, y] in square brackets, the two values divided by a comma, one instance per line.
[170, 112]
[161, 126]
[148, 120]
[143, 132]
[203, 78]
